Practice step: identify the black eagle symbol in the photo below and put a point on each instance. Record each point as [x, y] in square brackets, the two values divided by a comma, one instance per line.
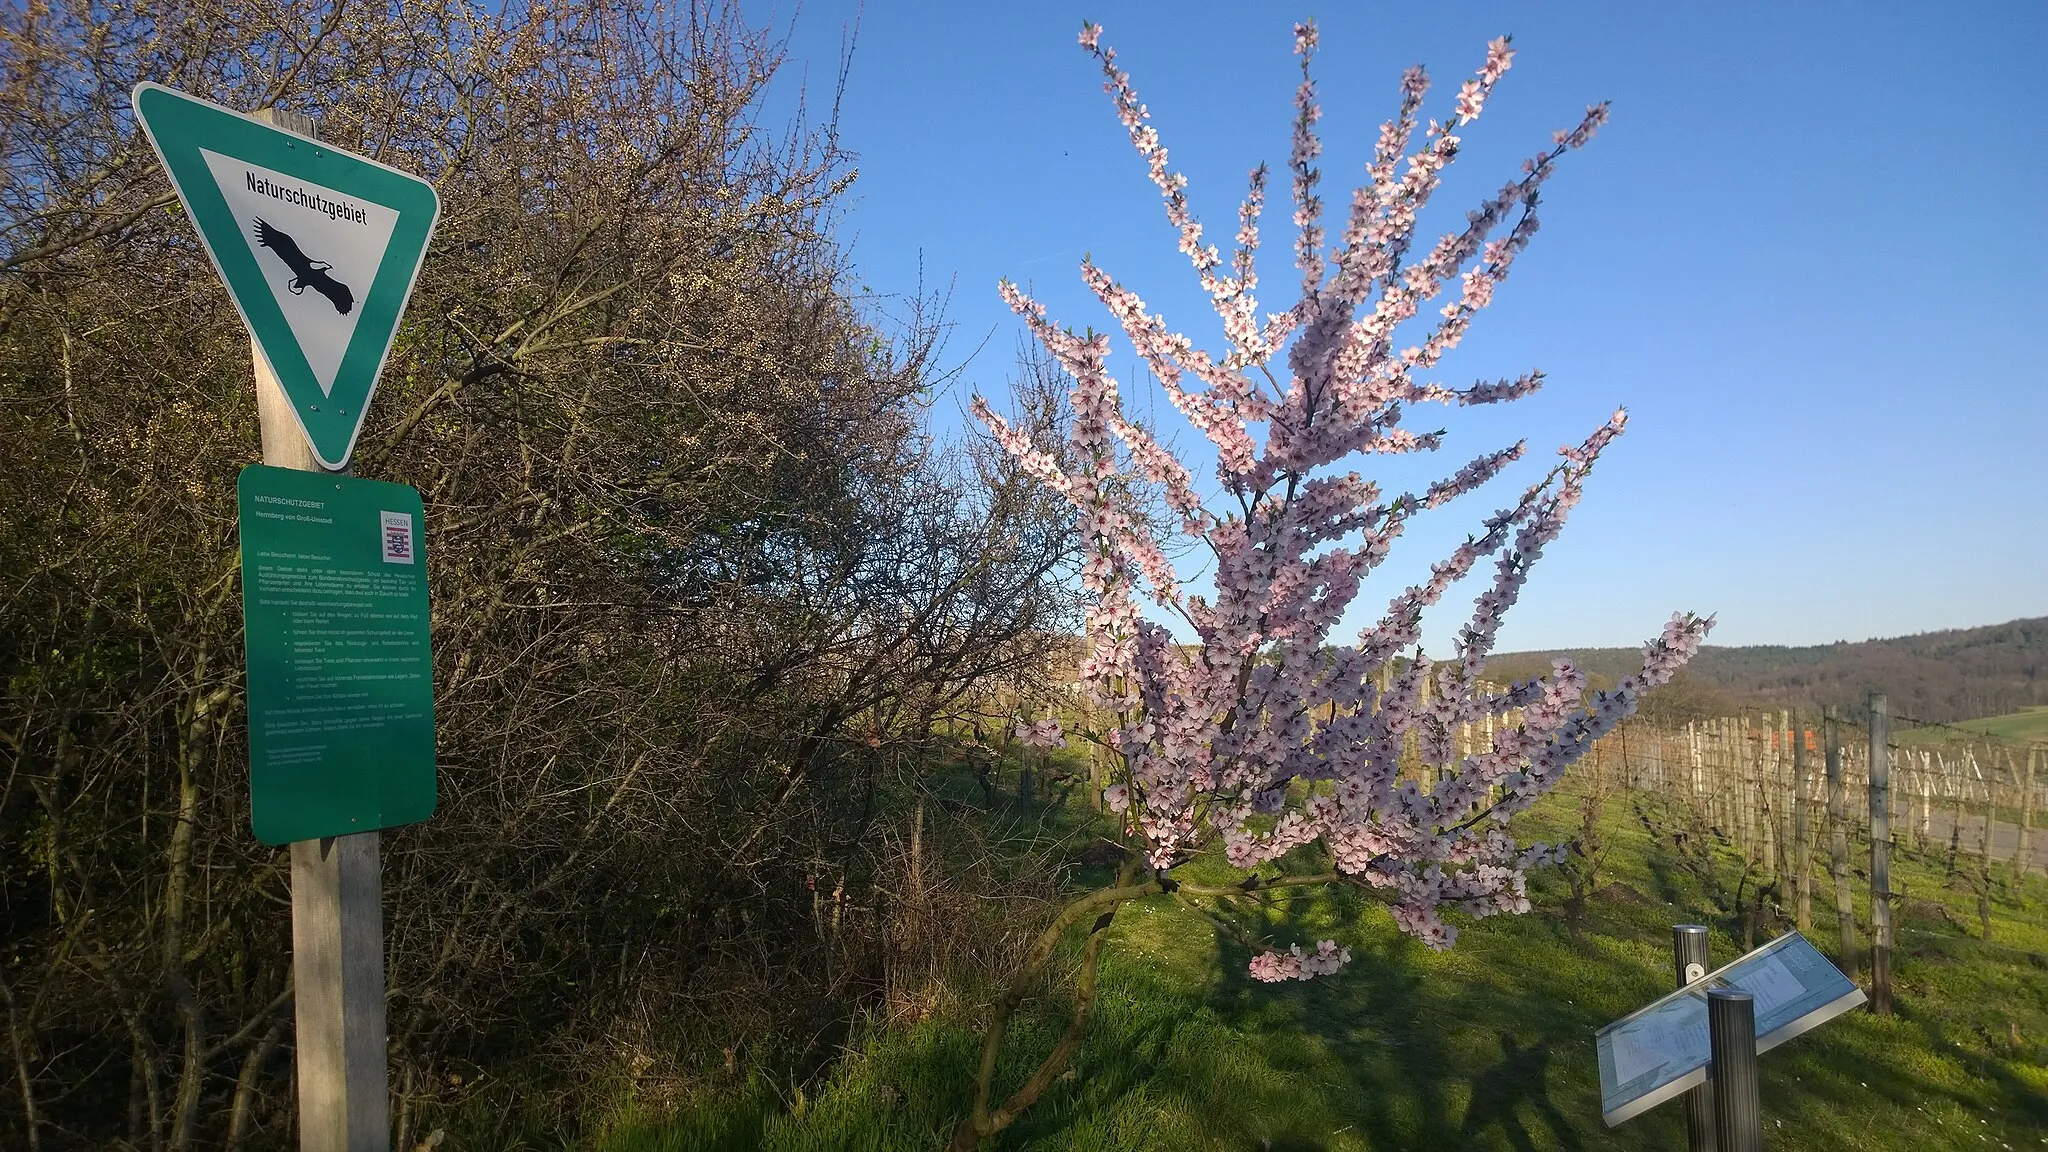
[306, 271]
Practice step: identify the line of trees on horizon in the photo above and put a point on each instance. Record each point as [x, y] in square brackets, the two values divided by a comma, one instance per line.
[1942, 677]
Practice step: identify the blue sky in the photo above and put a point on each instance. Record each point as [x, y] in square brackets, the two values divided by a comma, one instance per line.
[1807, 254]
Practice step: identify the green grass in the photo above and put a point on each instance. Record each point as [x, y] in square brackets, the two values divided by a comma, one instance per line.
[2027, 726]
[1487, 1046]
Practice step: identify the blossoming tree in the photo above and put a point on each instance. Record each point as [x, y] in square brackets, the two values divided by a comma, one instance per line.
[1262, 736]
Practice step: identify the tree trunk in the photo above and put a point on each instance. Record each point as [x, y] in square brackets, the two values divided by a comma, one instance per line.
[980, 1122]
[245, 1084]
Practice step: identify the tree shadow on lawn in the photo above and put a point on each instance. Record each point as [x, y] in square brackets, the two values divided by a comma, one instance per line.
[1375, 1018]
[1861, 1082]
[1499, 1093]
[1488, 1047]
[1453, 1051]
[1490, 1050]
[1389, 1052]
[1436, 1054]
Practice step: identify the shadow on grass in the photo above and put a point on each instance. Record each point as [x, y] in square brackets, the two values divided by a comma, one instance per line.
[1499, 1093]
[1386, 1055]
[1487, 1047]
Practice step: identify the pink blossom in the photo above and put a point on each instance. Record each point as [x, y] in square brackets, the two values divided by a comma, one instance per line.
[1270, 732]
[1294, 964]
[1041, 734]
[1470, 99]
[1498, 58]
[1305, 38]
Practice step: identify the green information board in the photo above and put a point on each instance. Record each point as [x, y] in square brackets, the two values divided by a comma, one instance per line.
[341, 687]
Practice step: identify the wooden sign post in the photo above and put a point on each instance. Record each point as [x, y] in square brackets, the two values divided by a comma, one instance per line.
[344, 1081]
[319, 249]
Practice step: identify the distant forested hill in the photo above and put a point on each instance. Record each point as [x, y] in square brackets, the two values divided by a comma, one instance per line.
[1940, 676]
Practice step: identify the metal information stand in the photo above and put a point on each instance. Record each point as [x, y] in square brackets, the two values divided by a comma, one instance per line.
[1662, 1050]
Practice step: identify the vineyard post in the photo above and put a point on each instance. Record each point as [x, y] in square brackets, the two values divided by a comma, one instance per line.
[1957, 783]
[1710, 768]
[1984, 845]
[1926, 823]
[1763, 768]
[1773, 849]
[1782, 790]
[1760, 798]
[1692, 744]
[2021, 862]
[1845, 908]
[1906, 776]
[1727, 788]
[1784, 798]
[1859, 814]
[1991, 754]
[1730, 786]
[1898, 805]
[1801, 820]
[1489, 728]
[1880, 856]
[1745, 790]
[1719, 814]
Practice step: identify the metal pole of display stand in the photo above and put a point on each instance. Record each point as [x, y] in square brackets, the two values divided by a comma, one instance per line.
[1731, 1037]
[1689, 963]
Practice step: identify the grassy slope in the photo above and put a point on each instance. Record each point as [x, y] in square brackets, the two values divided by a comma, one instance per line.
[1488, 1046]
[2029, 726]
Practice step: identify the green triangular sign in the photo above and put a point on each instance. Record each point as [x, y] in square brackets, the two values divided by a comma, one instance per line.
[319, 249]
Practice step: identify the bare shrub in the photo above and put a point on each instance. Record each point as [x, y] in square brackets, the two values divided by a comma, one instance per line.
[698, 573]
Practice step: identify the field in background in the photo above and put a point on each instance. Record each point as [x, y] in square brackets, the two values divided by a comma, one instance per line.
[2027, 726]
[1488, 1046]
